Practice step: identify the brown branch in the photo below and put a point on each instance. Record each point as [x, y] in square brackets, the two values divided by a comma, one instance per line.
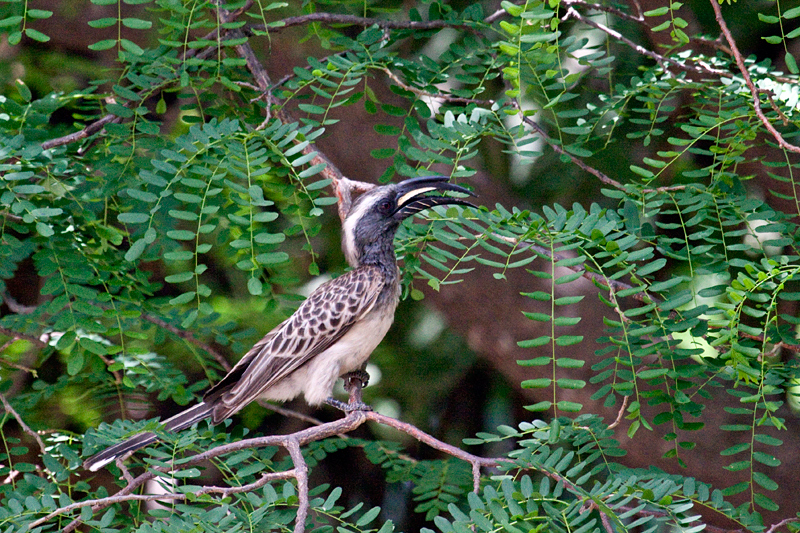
[607, 9]
[560, 150]
[292, 443]
[22, 336]
[101, 123]
[782, 523]
[409, 429]
[342, 187]
[300, 473]
[105, 502]
[754, 92]
[355, 20]
[573, 13]
[436, 96]
[580, 163]
[620, 414]
[10, 410]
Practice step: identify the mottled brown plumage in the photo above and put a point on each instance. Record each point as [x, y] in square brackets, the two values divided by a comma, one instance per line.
[295, 355]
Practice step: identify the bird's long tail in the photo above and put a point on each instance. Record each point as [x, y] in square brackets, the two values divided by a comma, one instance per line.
[178, 422]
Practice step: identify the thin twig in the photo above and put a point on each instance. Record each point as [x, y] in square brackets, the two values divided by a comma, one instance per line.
[10, 410]
[782, 523]
[355, 20]
[737, 56]
[574, 13]
[621, 413]
[22, 336]
[435, 96]
[607, 9]
[579, 162]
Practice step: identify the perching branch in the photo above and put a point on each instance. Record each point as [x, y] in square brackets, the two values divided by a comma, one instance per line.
[292, 443]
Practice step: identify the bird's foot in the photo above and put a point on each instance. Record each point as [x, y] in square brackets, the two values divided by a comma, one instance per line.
[353, 383]
[348, 407]
[357, 378]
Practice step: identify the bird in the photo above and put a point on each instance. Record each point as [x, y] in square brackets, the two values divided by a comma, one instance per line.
[333, 332]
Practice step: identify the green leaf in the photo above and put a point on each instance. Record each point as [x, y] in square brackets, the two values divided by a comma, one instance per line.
[75, 363]
[11, 21]
[663, 10]
[568, 340]
[130, 46]
[255, 287]
[652, 373]
[181, 235]
[536, 361]
[767, 459]
[566, 383]
[103, 45]
[368, 517]
[93, 346]
[137, 24]
[180, 277]
[764, 481]
[45, 230]
[533, 343]
[792, 13]
[568, 362]
[272, 258]
[765, 502]
[36, 35]
[24, 91]
[539, 406]
[791, 64]
[569, 407]
[538, 383]
[133, 218]
[103, 23]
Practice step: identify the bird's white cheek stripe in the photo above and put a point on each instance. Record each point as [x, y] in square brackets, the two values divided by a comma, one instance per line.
[407, 196]
[349, 229]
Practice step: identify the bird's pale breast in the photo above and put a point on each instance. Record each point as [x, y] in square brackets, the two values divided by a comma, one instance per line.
[317, 377]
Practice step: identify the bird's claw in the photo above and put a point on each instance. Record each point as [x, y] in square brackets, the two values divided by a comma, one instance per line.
[348, 407]
[357, 378]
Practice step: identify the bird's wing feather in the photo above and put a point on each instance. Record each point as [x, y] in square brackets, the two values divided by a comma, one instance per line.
[320, 321]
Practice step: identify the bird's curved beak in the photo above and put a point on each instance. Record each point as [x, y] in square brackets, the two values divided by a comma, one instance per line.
[417, 194]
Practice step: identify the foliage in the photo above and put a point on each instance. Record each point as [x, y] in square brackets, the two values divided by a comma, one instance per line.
[184, 160]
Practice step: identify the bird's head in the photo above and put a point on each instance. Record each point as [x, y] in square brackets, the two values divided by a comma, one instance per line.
[370, 226]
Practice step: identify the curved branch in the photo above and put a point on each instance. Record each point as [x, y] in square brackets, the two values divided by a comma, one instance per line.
[737, 55]
[292, 443]
[10, 410]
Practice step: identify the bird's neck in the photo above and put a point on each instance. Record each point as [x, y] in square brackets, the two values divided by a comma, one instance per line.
[384, 258]
[380, 253]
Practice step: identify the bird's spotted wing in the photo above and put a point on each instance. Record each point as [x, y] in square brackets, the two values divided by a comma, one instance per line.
[320, 321]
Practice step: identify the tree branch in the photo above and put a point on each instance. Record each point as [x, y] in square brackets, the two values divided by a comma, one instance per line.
[737, 55]
[573, 13]
[292, 443]
[355, 20]
[10, 410]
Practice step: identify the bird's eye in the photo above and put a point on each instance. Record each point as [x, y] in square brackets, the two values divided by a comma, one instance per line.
[385, 206]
